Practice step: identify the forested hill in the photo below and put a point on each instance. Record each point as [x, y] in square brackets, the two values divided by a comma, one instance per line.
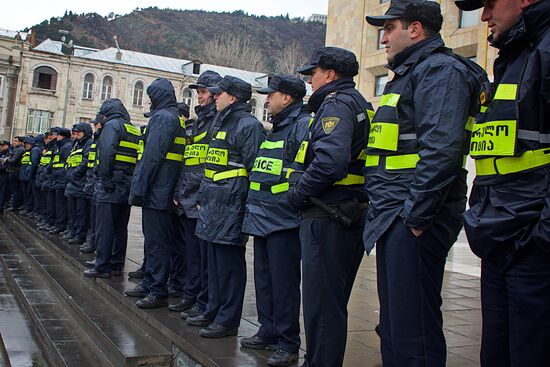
[275, 42]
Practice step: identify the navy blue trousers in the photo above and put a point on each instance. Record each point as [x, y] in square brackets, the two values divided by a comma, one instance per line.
[331, 255]
[160, 231]
[111, 235]
[16, 189]
[61, 210]
[178, 260]
[71, 212]
[29, 196]
[193, 284]
[516, 311]
[93, 206]
[202, 297]
[226, 284]
[410, 276]
[80, 221]
[4, 190]
[38, 200]
[277, 282]
[50, 207]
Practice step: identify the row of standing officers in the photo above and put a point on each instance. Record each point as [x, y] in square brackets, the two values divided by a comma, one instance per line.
[319, 191]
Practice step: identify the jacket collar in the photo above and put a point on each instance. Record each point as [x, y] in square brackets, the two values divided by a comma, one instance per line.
[286, 116]
[413, 54]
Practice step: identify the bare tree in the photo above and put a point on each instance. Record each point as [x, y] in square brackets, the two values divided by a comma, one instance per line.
[289, 59]
[236, 51]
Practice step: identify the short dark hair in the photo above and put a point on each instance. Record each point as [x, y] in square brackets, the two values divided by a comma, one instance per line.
[345, 69]
[428, 13]
[19, 138]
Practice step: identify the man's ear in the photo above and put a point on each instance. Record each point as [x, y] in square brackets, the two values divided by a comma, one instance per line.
[416, 30]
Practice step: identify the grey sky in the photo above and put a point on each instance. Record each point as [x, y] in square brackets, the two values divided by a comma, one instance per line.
[17, 15]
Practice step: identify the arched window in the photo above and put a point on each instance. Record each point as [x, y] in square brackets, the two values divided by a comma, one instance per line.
[106, 88]
[44, 77]
[187, 97]
[253, 105]
[265, 116]
[88, 86]
[138, 94]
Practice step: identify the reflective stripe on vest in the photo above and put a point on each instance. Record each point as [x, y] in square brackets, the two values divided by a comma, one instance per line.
[179, 146]
[57, 163]
[92, 155]
[505, 165]
[269, 173]
[506, 129]
[46, 158]
[127, 151]
[26, 158]
[218, 156]
[75, 158]
[195, 153]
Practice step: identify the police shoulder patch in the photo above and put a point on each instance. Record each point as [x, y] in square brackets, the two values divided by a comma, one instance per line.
[329, 124]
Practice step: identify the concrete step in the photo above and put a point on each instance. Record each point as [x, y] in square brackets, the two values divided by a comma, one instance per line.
[121, 340]
[59, 334]
[166, 327]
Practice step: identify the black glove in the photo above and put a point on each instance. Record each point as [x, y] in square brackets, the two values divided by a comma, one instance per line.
[108, 186]
[137, 201]
[295, 199]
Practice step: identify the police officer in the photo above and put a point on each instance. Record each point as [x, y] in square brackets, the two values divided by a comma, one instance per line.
[40, 191]
[153, 187]
[71, 199]
[29, 164]
[77, 167]
[60, 155]
[236, 138]
[330, 233]
[198, 135]
[116, 159]
[89, 189]
[415, 178]
[275, 223]
[34, 208]
[13, 167]
[508, 221]
[4, 184]
[47, 183]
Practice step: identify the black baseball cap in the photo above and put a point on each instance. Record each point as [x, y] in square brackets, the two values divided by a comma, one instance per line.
[469, 4]
[285, 83]
[233, 86]
[207, 79]
[397, 10]
[79, 126]
[64, 132]
[4, 142]
[338, 59]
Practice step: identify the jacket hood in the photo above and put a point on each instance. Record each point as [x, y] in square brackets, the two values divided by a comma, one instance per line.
[87, 129]
[114, 108]
[162, 95]
[39, 140]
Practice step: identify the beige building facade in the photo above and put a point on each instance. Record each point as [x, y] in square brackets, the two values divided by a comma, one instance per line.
[56, 85]
[11, 45]
[347, 28]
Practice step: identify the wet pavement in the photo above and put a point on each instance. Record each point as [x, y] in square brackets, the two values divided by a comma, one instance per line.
[461, 311]
[15, 329]
[461, 307]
